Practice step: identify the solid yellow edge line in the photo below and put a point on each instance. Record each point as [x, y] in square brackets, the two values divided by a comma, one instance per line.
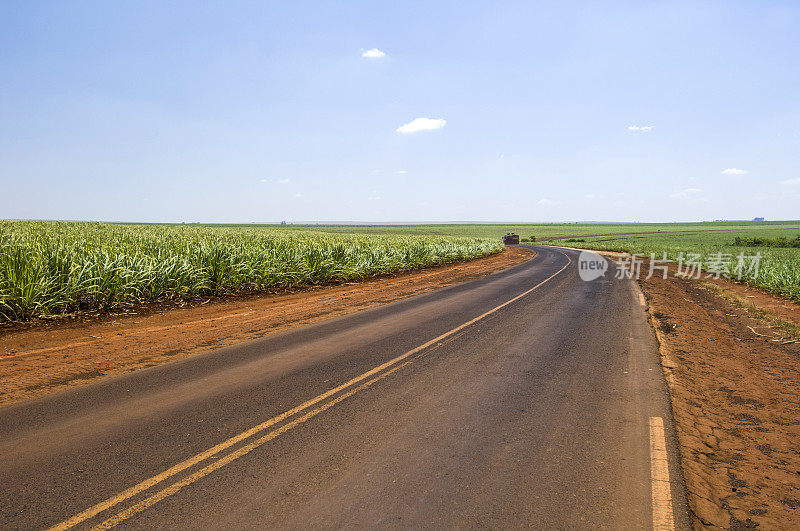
[659, 477]
[183, 465]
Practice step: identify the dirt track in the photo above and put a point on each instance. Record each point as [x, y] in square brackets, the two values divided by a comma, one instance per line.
[49, 356]
[735, 387]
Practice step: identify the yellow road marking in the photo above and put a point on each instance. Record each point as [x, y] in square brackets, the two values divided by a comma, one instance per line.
[175, 487]
[183, 465]
[659, 477]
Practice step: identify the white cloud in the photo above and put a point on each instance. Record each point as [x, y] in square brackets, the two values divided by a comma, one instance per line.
[687, 192]
[421, 124]
[547, 202]
[792, 182]
[692, 195]
[590, 196]
[374, 53]
[734, 171]
[278, 181]
[644, 128]
[298, 195]
[401, 172]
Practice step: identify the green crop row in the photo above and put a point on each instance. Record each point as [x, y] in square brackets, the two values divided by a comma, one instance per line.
[543, 231]
[778, 268]
[49, 268]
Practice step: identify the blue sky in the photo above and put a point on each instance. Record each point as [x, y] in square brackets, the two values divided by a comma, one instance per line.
[267, 111]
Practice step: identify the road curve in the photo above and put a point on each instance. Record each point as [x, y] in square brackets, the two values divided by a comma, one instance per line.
[528, 398]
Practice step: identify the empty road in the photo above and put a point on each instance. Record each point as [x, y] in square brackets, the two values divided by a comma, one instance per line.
[528, 398]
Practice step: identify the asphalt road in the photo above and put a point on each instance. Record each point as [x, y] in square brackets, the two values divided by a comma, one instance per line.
[528, 398]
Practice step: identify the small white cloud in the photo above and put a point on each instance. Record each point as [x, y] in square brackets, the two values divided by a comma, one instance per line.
[690, 194]
[421, 124]
[792, 182]
[401, 172]
[644, 128]
[547, 202]
[263, 180]
[278, 181]
[590, 196]
[734, 171]
[298, 195]
[374, 53]
[686, 193]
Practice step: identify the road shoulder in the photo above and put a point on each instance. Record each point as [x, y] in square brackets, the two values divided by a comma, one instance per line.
[734, 381]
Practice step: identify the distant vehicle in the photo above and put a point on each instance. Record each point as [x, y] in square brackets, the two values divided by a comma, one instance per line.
[511, 239]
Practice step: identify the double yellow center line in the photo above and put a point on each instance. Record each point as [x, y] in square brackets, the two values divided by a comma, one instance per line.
[308, 409]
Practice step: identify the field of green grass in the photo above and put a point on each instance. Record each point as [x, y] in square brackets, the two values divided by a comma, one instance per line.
[540, 231]
[49, 268]
[778, 271]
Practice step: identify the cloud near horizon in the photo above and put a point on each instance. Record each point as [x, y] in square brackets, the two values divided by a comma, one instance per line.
[690, 194]
[644, 128]
[734, 171]
[547, 202]
[421, 124]
[373, 53]
[792, 182]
